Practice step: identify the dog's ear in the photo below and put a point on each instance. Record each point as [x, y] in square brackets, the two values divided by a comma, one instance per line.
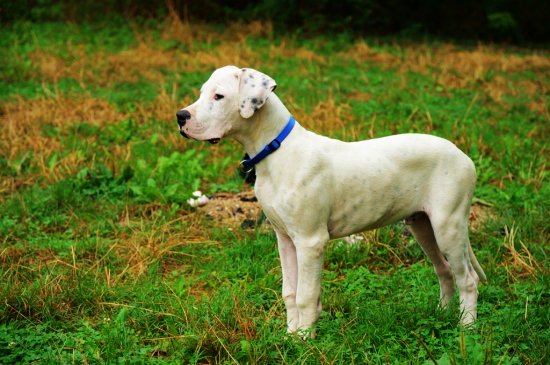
[254, 89]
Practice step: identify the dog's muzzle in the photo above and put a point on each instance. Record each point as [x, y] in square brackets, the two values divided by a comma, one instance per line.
[183, 116]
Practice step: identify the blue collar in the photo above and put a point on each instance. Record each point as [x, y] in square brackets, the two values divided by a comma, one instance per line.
[248, 164]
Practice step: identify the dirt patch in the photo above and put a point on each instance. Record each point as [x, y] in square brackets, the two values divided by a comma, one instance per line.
[236, 211]
[479, 215]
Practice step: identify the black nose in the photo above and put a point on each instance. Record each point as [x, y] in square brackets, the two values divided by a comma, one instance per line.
[183, 115]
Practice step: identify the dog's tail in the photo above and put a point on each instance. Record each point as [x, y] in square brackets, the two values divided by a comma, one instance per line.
[476, 265]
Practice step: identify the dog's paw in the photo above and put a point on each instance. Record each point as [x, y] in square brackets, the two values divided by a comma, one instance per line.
[306, 333]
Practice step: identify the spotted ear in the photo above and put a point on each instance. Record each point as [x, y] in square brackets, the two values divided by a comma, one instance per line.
[254, 89]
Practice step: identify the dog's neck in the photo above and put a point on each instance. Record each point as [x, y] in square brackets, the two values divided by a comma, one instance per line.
[266, 123]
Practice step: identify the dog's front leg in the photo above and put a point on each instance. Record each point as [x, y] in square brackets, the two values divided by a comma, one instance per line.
[289, 266]
[309, 253]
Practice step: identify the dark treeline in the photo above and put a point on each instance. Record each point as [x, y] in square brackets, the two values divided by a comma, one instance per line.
[514, 21]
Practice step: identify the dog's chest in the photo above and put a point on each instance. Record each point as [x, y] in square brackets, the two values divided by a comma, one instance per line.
[271, 203]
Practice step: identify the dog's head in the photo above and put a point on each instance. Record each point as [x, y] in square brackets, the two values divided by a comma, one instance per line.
[229, 97]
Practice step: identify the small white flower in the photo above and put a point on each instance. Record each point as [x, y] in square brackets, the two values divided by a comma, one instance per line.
[197, 193]
[354, 239]
[202, 200]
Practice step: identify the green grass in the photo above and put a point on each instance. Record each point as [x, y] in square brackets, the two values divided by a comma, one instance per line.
[102, 261]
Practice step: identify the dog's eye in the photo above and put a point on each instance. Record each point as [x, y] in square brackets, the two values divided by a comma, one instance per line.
[218, 96]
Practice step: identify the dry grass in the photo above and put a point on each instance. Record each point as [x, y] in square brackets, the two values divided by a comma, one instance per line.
[284, 49]
[23, 123]
[470, 65]
[38, 279]
[148, 243]
[519, 262]
[148, 60]
[455, 68]
[360, 52]
[474, 63]
[326, 116]
[49, 66]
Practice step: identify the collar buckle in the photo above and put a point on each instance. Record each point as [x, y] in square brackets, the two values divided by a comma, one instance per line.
[274, 145]
[246, 167]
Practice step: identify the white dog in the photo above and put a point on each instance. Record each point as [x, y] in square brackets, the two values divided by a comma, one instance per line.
[313, 188]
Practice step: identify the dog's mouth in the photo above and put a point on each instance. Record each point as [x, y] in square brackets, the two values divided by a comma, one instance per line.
[211, 140]
[183, 133]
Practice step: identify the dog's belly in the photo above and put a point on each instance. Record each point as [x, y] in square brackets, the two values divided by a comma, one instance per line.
[360, 222]
[367, 210]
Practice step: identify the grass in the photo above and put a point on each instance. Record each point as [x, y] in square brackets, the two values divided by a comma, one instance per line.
[102, 261]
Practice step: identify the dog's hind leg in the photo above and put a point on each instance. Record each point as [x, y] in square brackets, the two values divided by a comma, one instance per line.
[451, 234]
[421, 228]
